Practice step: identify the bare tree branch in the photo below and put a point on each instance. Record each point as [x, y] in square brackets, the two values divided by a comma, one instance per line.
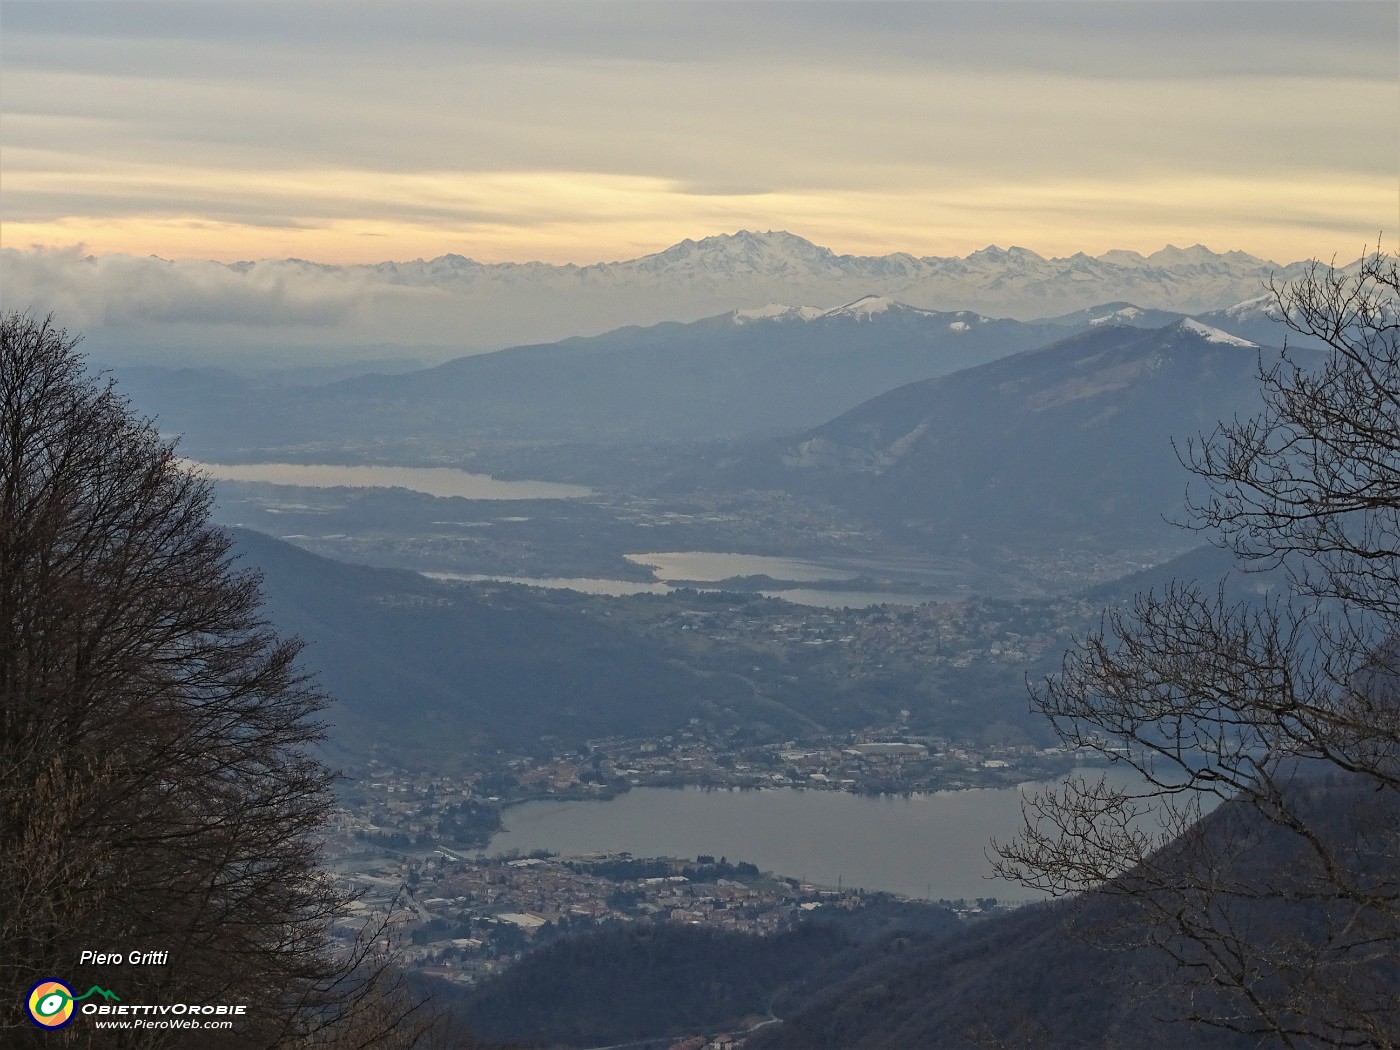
[1281, 908]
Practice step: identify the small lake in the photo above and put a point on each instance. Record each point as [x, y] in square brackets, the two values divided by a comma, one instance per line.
[434, 481]
[928, 845]
[673, 569]
[810, 596]
[586, 584]
[823, 599]
[713, 566]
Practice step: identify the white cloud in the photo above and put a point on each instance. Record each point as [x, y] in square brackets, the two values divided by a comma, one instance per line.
[120, 291]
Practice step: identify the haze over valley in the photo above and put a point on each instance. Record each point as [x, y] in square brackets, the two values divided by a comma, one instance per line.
[818, 552]
[907, 449]
[842, 526]
[279, 312]
[681, 587]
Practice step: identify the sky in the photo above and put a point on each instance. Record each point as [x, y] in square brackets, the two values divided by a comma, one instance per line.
[584, 132]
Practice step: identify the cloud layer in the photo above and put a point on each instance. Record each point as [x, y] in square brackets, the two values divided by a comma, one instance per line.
[260, 313]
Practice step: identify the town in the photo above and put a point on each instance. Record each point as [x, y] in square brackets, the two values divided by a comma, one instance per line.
[413, 846]
[462, 917]
[412, 838]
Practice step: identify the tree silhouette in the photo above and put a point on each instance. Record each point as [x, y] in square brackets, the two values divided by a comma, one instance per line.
[158, 789]
[1280, 908]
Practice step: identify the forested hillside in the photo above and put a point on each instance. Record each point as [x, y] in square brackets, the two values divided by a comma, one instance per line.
[1070, 444]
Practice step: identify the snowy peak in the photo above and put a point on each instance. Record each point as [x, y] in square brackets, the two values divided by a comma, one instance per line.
[1172, 254]
[776, 312]
[1126, 314]
[1213, 335]
[1260, 307]
[771, 253]
[867, 306]
[1001, 263]
[993, 280]
[1117, 313]
[1198, 256]
[992, 253]
[862, 309]
[1128, 260]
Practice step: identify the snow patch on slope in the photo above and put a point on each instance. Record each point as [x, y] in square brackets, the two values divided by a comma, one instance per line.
[1214, 335]
[1124, 316]
[1261, 306]
[865, 306]
[776, 312]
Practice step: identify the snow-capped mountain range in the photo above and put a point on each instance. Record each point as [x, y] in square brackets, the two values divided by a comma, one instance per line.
[450, 305]
[863, 309]
[1012, 282]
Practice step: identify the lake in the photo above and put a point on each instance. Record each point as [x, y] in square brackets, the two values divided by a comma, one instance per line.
[713, 566]
[824, 599]
[679, 568]
[812, 596]
[434, 481]
[928, 845]
[586, 584]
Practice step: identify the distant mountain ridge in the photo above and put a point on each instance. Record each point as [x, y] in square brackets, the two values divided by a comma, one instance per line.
[1123, 313]
[1009, 281]
[773, 252]
[153, 309]
[735, 374]
[745, 372]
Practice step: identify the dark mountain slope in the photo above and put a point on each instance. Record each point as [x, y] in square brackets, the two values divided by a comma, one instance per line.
[1074, 975]
[1069, 444]
[1208, 567]
[645, 980]
[726, 376]
[1021, 980]
[721, 377]
[418, 664]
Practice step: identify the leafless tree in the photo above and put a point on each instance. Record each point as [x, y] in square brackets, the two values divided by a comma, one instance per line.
[158, 787]
[1281, 908]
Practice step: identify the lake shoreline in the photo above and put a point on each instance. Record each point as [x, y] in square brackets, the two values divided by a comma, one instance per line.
[922, 846]
[441, 482]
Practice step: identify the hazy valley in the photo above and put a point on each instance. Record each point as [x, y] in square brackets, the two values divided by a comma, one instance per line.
[815, 550]
[699, 526]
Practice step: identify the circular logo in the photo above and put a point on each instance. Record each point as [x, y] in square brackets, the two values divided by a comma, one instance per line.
[51, 1004]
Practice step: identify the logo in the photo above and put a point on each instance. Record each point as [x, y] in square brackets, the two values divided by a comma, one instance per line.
[51, 1002]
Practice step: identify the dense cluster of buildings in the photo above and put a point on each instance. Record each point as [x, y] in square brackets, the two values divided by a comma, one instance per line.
[876, 762]
[396, 807]
[461, 917]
